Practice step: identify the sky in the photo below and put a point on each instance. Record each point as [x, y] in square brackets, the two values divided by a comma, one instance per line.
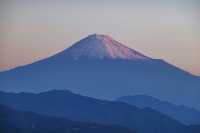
[31, 30]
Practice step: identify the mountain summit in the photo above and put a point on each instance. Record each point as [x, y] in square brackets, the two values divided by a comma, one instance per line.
[97, 46]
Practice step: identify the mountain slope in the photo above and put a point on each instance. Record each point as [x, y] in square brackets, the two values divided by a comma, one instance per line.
[101, 47]
[183, 114]
[105, 74]
[12, 121]
[80, 108]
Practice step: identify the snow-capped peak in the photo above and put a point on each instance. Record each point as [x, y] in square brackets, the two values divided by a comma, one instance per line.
[97, 46]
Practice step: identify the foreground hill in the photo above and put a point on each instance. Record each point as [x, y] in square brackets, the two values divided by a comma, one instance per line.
[182, 113]
[100, 67]
[12, 121]
[81, 108]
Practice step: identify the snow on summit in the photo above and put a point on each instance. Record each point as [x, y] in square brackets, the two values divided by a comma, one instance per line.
[99, 46]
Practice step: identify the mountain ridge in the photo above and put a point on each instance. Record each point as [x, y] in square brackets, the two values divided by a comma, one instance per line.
[15, 121]
[184, 114]
[86, 109]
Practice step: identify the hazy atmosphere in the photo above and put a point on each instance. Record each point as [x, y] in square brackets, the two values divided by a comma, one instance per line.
[34, 29]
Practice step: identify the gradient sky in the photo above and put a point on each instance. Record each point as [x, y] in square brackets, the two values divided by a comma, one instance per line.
[34, 29]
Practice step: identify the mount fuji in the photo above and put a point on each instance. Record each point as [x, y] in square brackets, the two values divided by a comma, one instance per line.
[102, 47]
[100, 67]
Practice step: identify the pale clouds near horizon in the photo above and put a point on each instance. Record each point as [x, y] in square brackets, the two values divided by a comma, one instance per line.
[33, 29]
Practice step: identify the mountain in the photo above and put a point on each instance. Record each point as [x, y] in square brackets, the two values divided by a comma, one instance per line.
[102, 47]
[99, 67]
[181, 113]
[80, 108]
[13, 121]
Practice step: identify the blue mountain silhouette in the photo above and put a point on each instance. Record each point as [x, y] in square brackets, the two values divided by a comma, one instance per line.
[184, 114]
[80, 108]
